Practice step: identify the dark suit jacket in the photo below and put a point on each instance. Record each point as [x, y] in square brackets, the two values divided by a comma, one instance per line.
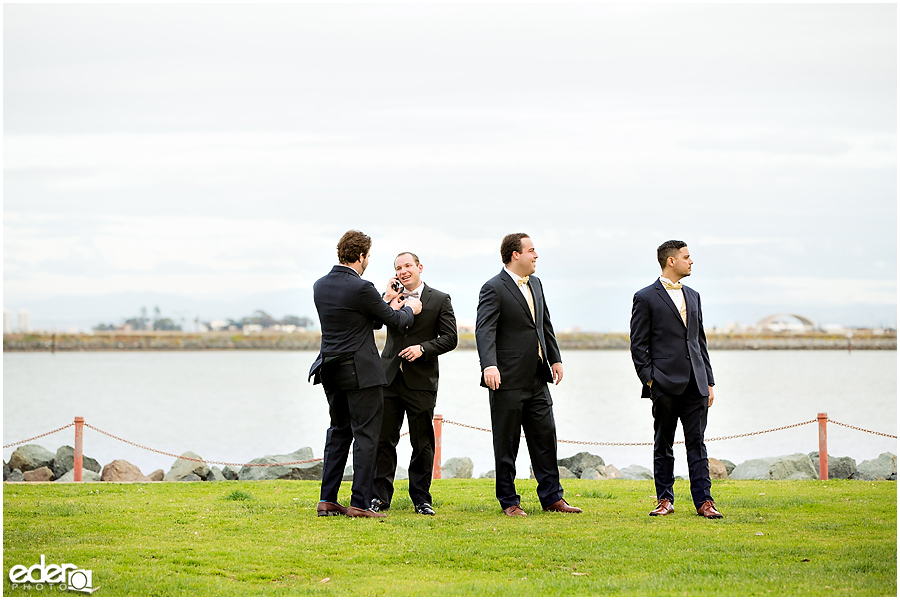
[434, 329]
[506, 335]
[663, 349]
[350, 308]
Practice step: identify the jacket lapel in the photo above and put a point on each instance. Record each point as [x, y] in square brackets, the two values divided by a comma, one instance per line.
[669, 302]
[517, 294]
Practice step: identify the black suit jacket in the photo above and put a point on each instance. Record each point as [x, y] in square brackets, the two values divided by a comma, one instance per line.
[663, 349]
[434, 329]
[350, 308]
[506, 335]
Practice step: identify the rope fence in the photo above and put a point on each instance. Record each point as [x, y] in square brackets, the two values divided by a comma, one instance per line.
[822, 419]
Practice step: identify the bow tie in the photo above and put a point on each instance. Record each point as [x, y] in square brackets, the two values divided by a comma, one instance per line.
[411, 295]
[671, 286]
[522, 281]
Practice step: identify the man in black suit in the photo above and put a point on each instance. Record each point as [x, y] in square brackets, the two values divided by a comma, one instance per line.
[519, 357]
[410, 360]
[668, 347]
[349, 369]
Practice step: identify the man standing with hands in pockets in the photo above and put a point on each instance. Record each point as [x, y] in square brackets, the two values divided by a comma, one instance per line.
[668, 347]
[519, 356]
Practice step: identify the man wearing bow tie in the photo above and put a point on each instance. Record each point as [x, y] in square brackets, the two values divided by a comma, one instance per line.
[668, 347]
[519, 357]
[410, 361]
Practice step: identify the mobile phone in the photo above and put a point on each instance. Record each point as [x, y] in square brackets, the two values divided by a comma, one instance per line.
[396, 286]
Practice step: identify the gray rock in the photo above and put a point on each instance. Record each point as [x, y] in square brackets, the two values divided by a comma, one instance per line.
[729, 466]
[39, 474]
[564, 473]
[717, 470]
[883, 467]
[181, 468]
[610, 472]
[191, 477]
[156, 475]
[215, 474]
[122, 471]
[457, 468]
[591, 473]
[840, 467]
[492, 474]
[65, 461]
[793, 466]
[229, 473]
[308, 471]
[401, 473]
[30, 457]
[581, 461]
[348, 472]
[15, 475]
[6, 470]
[86, 475]
[637, 472]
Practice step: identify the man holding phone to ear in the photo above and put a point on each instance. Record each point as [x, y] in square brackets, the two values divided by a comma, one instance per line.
[410, 361]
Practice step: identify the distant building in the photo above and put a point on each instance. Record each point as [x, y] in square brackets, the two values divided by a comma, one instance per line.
[7, 321]
[24, 321]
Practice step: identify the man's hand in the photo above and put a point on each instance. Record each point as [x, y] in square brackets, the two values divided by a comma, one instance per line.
[397, 302]
[557, 370]
[411, 353]
[711, 395]
[415, 304]
[492, 377]
[390, 293]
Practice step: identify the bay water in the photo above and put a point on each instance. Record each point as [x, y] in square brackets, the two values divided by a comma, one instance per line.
[234, 406]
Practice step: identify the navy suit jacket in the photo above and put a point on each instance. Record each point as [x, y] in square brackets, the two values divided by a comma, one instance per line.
[350, 308]
[506, 335]
[434, 329]
[663, 349]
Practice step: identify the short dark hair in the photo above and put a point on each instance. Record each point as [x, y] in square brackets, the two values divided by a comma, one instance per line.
[352, 244]
[415, 258]
[667, 249]
[511, 243]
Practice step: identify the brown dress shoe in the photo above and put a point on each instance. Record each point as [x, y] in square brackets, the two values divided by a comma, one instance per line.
[330, 509]
[515, 511]
[563, 506]
[663, 508]
[360, 512]
[708, 510]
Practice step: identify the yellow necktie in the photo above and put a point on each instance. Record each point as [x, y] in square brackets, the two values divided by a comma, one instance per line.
[682, 310]
[530, 299]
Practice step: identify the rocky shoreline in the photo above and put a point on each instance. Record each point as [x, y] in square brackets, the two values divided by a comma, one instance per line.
[34, 463]
[309, 340]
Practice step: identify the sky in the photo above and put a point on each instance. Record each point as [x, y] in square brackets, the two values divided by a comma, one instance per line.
[206, 158]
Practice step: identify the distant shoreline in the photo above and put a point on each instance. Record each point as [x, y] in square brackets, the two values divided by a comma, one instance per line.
[309, 340]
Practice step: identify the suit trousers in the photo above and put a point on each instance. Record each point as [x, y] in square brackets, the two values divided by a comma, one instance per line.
[356, 416]
[418, 405]
[692, 409]
[529, 410]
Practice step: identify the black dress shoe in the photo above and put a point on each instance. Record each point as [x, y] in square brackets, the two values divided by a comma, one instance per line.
[378, 506]
[425, 509]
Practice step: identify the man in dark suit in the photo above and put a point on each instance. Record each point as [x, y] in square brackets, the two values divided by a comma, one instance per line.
[668, 347]
[410, 360]
[349, 369]
[519, 357]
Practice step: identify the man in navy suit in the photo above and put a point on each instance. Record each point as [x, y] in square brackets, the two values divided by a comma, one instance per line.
[668, 347]
[519, 357]
[410, 360]
[349, 369]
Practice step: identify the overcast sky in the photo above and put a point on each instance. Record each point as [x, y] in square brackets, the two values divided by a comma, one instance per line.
[219, 151]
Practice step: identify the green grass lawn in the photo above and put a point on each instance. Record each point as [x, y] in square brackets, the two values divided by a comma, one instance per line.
[778, 538]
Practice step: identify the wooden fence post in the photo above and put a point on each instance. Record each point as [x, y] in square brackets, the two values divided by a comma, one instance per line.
[79, 435]
[438, 427]
[823, 446]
